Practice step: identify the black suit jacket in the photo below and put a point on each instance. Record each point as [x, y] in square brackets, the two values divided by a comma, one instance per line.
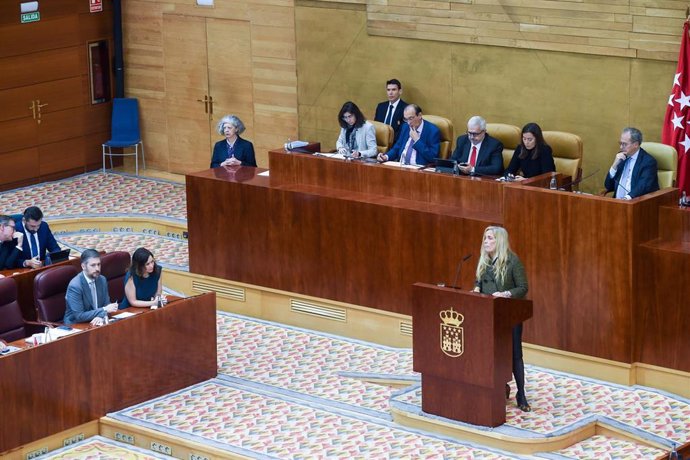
[244, 151]
[490, 157]
[9, 254]
[644, 176]
[397, 121]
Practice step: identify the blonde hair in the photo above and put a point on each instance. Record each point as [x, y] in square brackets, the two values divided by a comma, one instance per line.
[500, 254]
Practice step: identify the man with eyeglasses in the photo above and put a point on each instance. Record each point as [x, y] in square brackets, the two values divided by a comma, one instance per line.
[634, 171]
[11, 243]
[478, 153]
[419, 140]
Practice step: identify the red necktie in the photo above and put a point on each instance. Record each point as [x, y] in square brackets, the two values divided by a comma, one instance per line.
[473, 156]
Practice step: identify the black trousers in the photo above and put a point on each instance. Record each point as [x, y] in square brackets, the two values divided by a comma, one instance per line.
[519, 364]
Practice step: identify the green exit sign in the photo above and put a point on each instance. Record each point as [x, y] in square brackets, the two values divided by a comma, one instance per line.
[30, 17]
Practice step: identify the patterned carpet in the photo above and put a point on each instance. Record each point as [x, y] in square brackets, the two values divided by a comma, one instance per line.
[103, 195]
[299, 385]
[284, 392]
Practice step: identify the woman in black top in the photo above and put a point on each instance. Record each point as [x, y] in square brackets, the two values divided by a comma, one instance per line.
[533, 156]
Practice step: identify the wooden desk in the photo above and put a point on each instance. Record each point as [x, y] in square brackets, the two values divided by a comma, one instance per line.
[52, 387]
[365, 233]
[354, 245]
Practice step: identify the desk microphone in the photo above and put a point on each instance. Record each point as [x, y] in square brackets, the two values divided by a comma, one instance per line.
[457, 271]
[575, 182]
[617, 183]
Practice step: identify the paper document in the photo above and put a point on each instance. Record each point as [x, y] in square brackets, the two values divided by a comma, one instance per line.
[124, 314]
[397, 163]
[56, 332]
[338, 156]
[9, 349]
[265, 173]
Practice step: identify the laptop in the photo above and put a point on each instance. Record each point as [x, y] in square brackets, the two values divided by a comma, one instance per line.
[445, 166]
[59, 256]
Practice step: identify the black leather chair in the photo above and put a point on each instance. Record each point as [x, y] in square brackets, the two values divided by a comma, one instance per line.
[50, 287]
[114, 266]
[12, 325]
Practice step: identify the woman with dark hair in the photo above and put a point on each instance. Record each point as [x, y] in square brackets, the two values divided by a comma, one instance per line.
[143, 282]
[233, 150]
[501, 274]
[533, 156]
[357, 136]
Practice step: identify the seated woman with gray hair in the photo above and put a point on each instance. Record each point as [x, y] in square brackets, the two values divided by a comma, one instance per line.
[233, 150]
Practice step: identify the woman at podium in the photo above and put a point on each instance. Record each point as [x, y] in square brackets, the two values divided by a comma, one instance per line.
[500, 273]
[357, 136]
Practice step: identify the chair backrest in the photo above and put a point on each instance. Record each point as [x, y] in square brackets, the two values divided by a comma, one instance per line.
[666, 162]
[510, 137]
[567, 152]
[50, 286]
[11, 321]
[114, 265]
[446, 127]
[125, 120]
[384, 136]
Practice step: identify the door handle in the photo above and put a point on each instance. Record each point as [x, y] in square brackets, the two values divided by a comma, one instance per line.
[205, 101]
[210, 104]
[39, 106]
[32, 107]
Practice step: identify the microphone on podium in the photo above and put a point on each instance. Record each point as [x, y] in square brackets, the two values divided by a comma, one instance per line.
[457, 271]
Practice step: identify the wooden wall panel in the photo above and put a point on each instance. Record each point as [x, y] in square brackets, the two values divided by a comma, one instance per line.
[39, 67]
[23, 165]
[62, 155]
[629, 28]
[21, 39]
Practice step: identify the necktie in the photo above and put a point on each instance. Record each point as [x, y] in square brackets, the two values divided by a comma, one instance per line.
[231, 150]
[408, 152]
[92, 284]
[473, 156]
[623, 182]
[34, 244]
[389, 115]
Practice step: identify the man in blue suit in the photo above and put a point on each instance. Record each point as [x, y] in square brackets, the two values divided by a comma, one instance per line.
[87, 298]
[37, 239]
[478, 153]
[634, 171]
[391, 111]
[418, 142]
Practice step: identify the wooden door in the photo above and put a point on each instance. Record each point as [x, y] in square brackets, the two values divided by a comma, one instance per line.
[48, 127]
[208, 74]
[186, 84]
[230, 72]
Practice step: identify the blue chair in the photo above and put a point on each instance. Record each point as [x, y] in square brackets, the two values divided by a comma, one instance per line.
[125, 132]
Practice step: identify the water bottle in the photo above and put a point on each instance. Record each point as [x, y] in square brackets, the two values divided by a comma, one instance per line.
[553, 185]
[683, 202]
[47, 260]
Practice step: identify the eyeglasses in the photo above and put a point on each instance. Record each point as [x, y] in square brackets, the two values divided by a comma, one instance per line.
[409, 119]
[348, 117]
[471, 134]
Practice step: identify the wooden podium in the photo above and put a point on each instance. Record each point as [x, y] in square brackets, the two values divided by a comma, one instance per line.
[462, 348]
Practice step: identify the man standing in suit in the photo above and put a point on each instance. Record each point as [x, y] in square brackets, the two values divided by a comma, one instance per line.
[37, 239]
[634, 171]
[10, 249]
[478, 153]
[391, 111]
[87, 295]
[418, 142]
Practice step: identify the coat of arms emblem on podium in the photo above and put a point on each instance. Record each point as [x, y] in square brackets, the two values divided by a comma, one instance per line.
[452, 337]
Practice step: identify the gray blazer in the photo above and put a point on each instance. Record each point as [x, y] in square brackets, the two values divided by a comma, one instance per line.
[79, 302]
[365, 140]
